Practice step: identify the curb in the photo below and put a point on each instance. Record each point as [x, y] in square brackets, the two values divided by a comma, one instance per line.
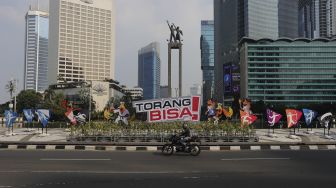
[158, 148]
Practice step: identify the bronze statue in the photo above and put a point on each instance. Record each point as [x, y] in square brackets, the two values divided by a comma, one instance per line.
[172, 32]
[175, 33]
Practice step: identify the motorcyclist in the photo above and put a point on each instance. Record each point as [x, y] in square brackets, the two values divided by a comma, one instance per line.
[185, 134]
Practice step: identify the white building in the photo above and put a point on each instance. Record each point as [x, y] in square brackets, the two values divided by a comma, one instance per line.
[196, 89]
[136, 92]
[82, 40]
[36, 51]
[101, 91]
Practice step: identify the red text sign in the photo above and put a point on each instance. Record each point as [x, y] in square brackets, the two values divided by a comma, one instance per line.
[170, 109]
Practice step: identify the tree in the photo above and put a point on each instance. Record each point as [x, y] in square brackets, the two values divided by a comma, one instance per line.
[28, 99]
[85, 97]
[55, 105]
[48, 94]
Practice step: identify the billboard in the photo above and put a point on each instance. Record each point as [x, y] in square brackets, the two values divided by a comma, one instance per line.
[170, 109]
[231, 77]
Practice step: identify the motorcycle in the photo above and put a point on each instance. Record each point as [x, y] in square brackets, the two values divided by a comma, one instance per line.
[175, 144]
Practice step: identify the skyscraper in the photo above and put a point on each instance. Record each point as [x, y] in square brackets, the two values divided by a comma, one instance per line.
[255, 19]
[149, 67]
[82, 40]
[207, 58]
[317, 18]
[36, 51]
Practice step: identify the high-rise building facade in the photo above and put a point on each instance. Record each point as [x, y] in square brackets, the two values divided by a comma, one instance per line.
[317, 18]
[36, 51]
[291, 72]
[207, 58]
[196, 89]
[82, 40]
[149, 69]
[256, 19]
[164, 92]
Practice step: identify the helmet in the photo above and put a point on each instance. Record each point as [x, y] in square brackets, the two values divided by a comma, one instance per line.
[185, 126]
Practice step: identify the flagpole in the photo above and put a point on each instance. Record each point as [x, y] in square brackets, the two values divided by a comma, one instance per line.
[13, 128]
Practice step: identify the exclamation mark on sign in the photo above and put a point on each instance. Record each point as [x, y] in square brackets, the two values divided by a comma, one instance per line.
[195, 108]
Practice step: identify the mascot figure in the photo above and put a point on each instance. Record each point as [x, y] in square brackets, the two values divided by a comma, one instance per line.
[123, 114]
[211, 111]
[245, 105]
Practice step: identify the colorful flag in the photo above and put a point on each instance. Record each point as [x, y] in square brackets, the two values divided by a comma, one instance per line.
[309, 115]
[10, 118]
[247, 118]
[43, 115]
[293, 117]
[28, 114]
[273, 117]
[325, 119]
[70, 115]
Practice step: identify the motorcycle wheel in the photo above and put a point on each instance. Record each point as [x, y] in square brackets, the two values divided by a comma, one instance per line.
[195, 150]
[167, 149]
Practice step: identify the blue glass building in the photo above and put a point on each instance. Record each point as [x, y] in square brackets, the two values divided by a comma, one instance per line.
[288, 71]
[149, 68]
[207, 58]
[36, 51]
[256, 19]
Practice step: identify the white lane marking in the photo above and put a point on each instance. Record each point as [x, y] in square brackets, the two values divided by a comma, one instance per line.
[111, 172]
[251, 159]
[193, 177]
[5, 186]
[11, 171]
[54, 159]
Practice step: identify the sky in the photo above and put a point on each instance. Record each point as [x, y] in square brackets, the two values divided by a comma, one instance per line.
[138, 23]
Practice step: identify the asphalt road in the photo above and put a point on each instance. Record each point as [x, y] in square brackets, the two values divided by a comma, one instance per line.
[51, 169]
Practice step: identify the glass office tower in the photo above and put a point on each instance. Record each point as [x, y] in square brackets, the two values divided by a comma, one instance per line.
[317, 18]
[257, 19]
[149, 68]
[36, 51]
[207, 58]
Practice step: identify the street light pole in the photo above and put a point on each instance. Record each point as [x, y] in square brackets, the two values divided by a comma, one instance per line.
[15, 88]
[90, 95]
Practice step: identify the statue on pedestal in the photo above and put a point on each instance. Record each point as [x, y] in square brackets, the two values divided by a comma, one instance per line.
[175, 33]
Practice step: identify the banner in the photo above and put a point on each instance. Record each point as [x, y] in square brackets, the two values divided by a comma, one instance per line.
[10, 118]
[43, 116]
[325, 118]
[293, 117]
[70, 115]
[309, 115]
[28, 113]
[170, 109]
[273, 117]
[247, 118]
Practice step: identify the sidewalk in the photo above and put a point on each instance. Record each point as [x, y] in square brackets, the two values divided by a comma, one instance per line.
[280, 136]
